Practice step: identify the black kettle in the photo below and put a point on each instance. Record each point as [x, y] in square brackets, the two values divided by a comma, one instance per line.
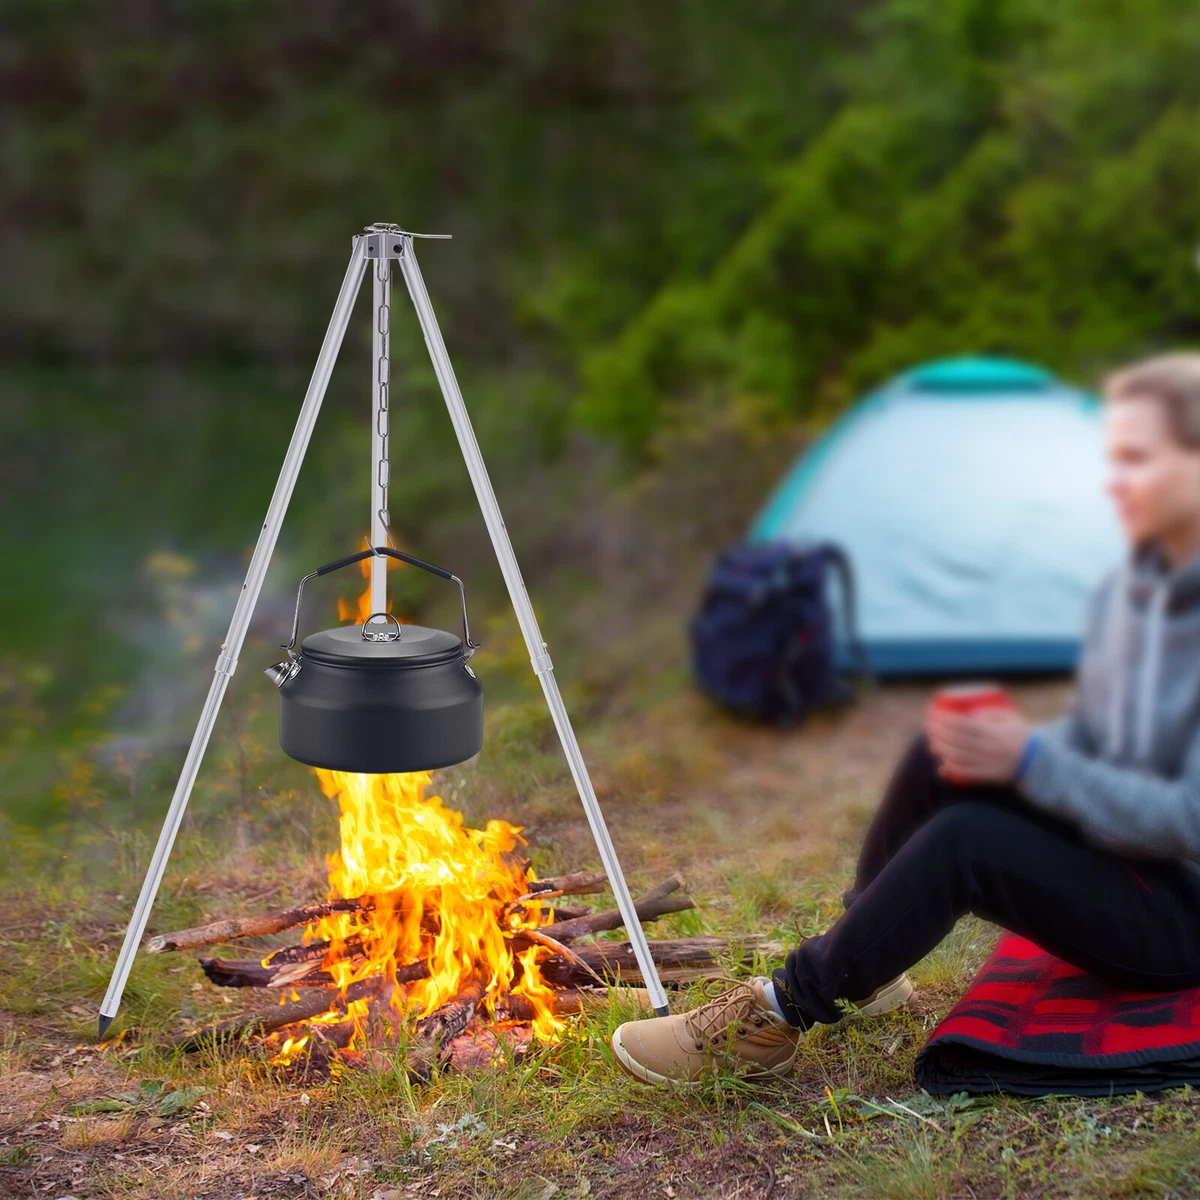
[379, 698]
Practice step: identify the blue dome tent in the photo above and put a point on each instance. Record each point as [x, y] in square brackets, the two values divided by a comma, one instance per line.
[968, 494]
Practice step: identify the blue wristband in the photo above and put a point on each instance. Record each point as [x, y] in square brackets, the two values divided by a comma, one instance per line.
[1027, 755]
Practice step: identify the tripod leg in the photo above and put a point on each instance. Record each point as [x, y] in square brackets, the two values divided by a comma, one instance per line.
[542, 666]
[231, 647]
[381, 297]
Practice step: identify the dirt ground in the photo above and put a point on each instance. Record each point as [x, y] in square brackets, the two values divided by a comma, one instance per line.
[762, 823]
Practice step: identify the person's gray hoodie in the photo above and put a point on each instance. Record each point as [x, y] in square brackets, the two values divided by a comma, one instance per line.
[1123, 764]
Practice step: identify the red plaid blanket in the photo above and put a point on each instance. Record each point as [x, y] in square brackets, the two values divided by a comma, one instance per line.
[1033, 1025]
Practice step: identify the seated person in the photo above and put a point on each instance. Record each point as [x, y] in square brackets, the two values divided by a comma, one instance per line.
[1082, 835]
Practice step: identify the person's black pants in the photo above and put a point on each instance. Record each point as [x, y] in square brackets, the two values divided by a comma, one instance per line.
[936, 851]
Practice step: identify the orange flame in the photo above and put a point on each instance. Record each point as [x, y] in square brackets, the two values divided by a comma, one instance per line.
[359, 609]
[290, 1050]
[439, 892]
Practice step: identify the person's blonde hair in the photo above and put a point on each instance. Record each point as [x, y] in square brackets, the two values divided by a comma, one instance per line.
[1172, 379]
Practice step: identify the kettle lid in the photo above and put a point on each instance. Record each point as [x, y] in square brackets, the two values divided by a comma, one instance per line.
[392, 646]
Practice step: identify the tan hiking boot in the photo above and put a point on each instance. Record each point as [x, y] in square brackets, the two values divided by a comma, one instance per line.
[739, 1027]
[885, 998]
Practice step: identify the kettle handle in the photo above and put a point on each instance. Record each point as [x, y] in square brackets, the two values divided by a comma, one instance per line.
[384, 552]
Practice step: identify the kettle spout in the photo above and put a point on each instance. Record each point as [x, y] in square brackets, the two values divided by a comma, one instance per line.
[281, 672]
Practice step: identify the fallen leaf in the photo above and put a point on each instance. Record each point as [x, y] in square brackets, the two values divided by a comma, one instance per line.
[178, 1100]
[108, 1104]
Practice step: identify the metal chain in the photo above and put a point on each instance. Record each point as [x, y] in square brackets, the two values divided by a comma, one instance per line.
[383, 468]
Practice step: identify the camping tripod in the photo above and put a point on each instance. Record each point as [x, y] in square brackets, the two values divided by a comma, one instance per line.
[381, 245]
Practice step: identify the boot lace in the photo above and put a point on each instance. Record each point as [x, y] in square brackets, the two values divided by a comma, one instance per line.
[711, 1020]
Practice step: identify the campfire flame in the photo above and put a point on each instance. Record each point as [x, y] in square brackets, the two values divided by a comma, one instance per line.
[291, 1049]
[356, 611]
[443, 894]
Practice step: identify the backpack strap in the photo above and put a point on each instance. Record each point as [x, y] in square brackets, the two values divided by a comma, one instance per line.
[840, 562]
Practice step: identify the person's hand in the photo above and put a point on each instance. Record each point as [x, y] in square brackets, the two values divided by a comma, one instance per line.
[979, 747]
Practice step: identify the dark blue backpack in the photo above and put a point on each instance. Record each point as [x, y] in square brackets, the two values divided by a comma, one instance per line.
[762, 639]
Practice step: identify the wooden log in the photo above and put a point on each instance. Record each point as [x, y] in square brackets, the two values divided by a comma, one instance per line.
[242, 972]
[313, 1005]
[657, 902]
[248, 972]
[337, 1036]
[451, 1018]
[314, 950]
[562, 912]
[384, 1016]
[579, 884]
[671, 884]
[559, 950]
[677, 960]
[568, 1001]
[239, 927]
[387, 1013]
[300, 975]
[273, 970]
[442, 1026]
[582, 883]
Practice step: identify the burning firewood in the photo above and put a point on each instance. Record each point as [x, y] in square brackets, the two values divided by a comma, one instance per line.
[482, 1046]
[270, 972]
[579, 884]
[240, 927]
[657, 902]
[250, 972]
[277, 1017]
[678, 960]
[451, 1018]
[435, 919]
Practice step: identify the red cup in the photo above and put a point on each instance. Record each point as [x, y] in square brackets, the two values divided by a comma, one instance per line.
[969, 698]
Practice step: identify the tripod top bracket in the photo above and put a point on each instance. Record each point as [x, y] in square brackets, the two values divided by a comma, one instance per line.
[385, 240]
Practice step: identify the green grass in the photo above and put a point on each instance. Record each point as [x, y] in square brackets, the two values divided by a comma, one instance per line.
[847, 1123]
[764, 830]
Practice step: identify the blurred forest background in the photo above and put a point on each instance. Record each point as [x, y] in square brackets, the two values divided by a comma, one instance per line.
[685, 235]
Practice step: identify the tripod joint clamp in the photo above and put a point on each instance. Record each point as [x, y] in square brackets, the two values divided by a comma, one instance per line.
[383, 240]
[542, 664]
[226, 662]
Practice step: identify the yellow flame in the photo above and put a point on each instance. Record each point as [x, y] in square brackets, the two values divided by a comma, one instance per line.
[534, 988]
[290, 1050]
[438, 891]
[356, 611]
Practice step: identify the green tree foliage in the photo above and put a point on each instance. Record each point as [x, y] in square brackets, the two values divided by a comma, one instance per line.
[183, 178]
[1005, 176]
[663, 214]
[670, 209]
[180, 183]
